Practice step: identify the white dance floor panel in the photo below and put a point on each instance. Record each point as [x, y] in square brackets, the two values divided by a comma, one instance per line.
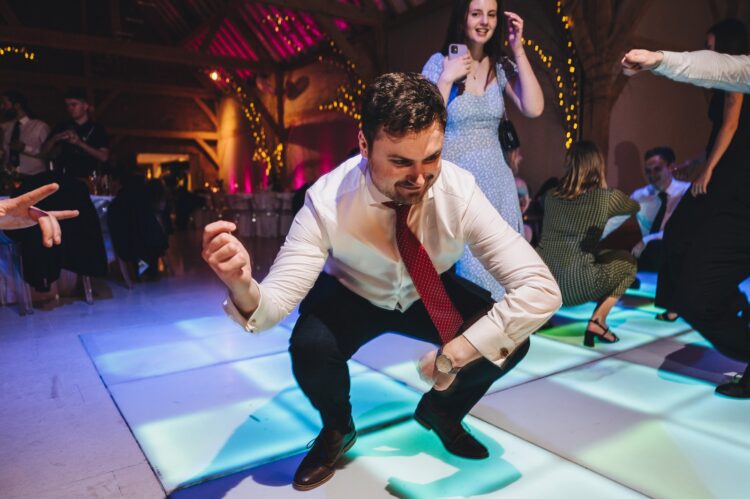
[218, 414]
[663, 434]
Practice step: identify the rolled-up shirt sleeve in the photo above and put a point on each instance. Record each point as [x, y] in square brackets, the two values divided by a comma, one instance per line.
[532, 294]
[707, 68]
[292, 275]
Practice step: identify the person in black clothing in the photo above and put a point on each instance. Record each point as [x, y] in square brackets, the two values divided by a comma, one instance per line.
[309, 175]
[78, 147]
[707, 240]
[134, 225]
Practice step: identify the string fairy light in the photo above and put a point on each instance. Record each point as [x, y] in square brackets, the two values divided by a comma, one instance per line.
[11, 50]
[348, 94]
[565, 78]
[268, 149]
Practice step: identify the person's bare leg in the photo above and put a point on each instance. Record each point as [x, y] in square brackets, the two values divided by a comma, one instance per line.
[598, 322]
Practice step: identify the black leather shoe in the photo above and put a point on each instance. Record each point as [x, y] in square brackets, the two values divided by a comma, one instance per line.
[319, 465]
[738, 389]
[452, 433]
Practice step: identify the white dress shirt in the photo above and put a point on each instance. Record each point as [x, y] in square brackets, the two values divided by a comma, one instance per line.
[345, 229]
[33, 135]
[648, 198]
[707, 68]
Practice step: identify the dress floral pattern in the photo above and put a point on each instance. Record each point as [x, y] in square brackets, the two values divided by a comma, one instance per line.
[471, 142]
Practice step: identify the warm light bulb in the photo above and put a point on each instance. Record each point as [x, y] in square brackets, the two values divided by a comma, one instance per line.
[214, 75]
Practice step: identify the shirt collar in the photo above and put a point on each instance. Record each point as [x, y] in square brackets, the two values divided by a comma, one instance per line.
[671, 190]
[23, 120]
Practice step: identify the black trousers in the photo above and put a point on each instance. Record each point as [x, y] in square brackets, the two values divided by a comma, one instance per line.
[650, 259]
[335, 322]
[707, 255]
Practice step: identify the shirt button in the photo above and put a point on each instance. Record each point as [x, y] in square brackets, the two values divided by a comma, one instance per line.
[504, 353]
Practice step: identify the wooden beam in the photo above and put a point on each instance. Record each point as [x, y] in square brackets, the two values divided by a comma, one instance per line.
[165, 134]
[238, 23]
[86, 55]
[62, 81]
[280, 98]
[209, 151]
[208, 112]
[206, 24]
[418, 12]
[115, 19]
[363, 65]
[216, 23]
[348, 12]
[133, 50]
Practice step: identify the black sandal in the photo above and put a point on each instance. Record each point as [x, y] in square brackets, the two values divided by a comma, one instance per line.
[664, 316]
[590, 335]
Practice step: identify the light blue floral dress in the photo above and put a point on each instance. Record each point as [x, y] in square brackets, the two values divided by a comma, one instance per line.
[471, 142]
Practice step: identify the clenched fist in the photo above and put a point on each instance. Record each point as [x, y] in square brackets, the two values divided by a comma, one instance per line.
[231, 262]
[638, 60]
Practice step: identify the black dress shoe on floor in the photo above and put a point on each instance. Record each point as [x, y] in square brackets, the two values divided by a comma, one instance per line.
[319, 465]
[738, 389]
[734, 390]
[452, 433]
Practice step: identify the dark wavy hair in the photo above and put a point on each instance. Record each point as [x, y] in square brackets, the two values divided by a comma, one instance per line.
[401, 103]
[731, 37]
[457, 33]
[665, 152]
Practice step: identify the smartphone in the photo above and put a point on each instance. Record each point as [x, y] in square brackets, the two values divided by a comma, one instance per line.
[456, 50]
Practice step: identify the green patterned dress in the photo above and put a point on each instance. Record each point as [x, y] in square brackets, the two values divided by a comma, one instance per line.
[570, 234]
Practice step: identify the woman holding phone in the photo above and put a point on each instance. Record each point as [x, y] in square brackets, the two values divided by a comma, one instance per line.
[471, 75]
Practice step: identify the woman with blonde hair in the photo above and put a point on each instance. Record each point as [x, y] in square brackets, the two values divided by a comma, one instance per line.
[574, 218]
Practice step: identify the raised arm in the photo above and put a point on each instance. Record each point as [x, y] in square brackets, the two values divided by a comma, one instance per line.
[444, 72]
[526, 93]
[704, 68]
[259, 306]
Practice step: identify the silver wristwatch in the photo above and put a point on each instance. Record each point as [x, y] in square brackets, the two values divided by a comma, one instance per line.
[444, 364]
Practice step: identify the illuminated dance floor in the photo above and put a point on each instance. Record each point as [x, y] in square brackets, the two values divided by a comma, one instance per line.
[218, 414]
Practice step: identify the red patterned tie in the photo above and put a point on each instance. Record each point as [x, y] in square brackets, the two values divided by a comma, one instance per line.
[443, 313]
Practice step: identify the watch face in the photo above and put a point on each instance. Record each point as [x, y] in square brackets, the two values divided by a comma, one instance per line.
[443, 364]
